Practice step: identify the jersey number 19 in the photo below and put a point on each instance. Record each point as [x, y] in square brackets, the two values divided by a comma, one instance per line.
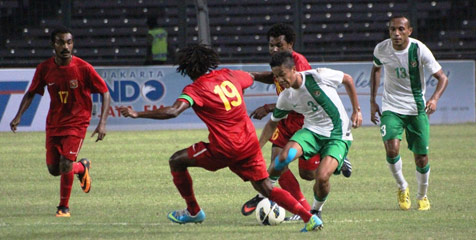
[229, 95]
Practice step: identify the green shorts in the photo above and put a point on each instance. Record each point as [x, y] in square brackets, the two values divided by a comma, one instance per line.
[313, 143]
[417, 130]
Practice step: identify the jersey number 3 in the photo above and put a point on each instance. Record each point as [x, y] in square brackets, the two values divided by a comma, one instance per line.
[229, 95]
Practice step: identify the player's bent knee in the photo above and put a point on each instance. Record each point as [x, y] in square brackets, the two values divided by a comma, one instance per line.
[54, 170]
[65, 165]
[178, 160]
[307, 175]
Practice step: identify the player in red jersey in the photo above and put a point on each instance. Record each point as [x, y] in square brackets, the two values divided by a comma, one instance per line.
[70, 82]
[216, 96]
[282, 37]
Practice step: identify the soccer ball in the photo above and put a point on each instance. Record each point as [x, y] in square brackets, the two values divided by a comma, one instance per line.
[269, 213]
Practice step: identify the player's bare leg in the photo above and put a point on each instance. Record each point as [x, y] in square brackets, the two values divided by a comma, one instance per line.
[179, 163]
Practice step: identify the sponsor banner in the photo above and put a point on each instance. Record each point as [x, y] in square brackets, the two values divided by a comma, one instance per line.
[153, 87]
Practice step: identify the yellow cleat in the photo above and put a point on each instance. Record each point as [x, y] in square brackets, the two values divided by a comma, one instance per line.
[423, 204]
[404, 199]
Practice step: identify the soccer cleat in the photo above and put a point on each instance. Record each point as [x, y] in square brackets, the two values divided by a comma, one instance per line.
[85, 178]
[313, 224]
[423, 204]
[63, 212]
[404, 199]
[293, 218]
[250, 206]
[183, 217]
[316, 212]
[346, 168]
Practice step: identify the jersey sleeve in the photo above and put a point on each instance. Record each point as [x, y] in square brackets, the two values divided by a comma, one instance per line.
[98, 85]
[428, 60]
[192, 94]
[330, 77]
[185, 98]
[376, 60]
[283, 107]
[38, 82]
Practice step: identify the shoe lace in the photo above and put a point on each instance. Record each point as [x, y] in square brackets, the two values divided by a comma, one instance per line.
[402, 196]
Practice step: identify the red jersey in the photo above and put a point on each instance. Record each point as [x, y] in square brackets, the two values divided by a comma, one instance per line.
[218, 101]
[70, 89]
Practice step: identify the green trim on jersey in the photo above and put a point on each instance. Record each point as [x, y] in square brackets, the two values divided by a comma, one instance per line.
[278, 113]
[187, 97]
[415, 81]
[327, 105]
[377, 61]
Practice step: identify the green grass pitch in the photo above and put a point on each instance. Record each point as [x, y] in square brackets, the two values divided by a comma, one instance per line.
[132, 191]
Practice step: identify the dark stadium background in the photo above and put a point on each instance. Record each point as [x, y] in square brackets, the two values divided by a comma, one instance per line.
[114, 32]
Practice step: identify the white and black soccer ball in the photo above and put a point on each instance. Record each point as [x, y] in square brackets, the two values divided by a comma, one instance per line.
[269, 213]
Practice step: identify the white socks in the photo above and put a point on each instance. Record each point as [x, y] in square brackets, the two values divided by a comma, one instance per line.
[396, 170]
[422, 180]
[317, 205]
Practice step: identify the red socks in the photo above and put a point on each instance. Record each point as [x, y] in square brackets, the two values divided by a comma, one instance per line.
[66, 184]
[285, 200]
[78, 168]
[184, 184]
[289, 183]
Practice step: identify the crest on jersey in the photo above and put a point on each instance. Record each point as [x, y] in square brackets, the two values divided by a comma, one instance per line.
[414, 63]
[317, 93]
[73, 83]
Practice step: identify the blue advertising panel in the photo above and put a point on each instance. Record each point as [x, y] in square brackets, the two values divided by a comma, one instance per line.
[152, 87]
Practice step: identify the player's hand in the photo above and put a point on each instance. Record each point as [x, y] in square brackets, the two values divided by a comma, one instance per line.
[101, 131]
[128, 112]
[13, 124]
[430, 106]
[374, 108]
[356, 119]
[259, 113]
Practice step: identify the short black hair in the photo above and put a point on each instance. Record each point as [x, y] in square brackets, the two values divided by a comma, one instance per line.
[400, 16]
[279, 29]
[197, 59]
[282, 58]
[59, 30]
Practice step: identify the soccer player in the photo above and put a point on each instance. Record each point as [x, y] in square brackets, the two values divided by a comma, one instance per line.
[216, 96]
[403, 104]
[70, 82]
[326, 130]
[282, 37]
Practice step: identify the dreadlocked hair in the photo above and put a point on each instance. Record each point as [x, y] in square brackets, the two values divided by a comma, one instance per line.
[196, 60]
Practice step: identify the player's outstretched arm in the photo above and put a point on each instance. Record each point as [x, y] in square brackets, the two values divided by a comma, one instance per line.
[267, 132]
[374, 84]
[262, 111]
[350, 89]
[440, 88]
[162, 113]
[101, 128]
[264, 77]
[25, 103]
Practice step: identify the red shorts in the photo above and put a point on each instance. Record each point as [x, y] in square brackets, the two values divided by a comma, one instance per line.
[250, 168]
[311, 164]
[67, 146]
